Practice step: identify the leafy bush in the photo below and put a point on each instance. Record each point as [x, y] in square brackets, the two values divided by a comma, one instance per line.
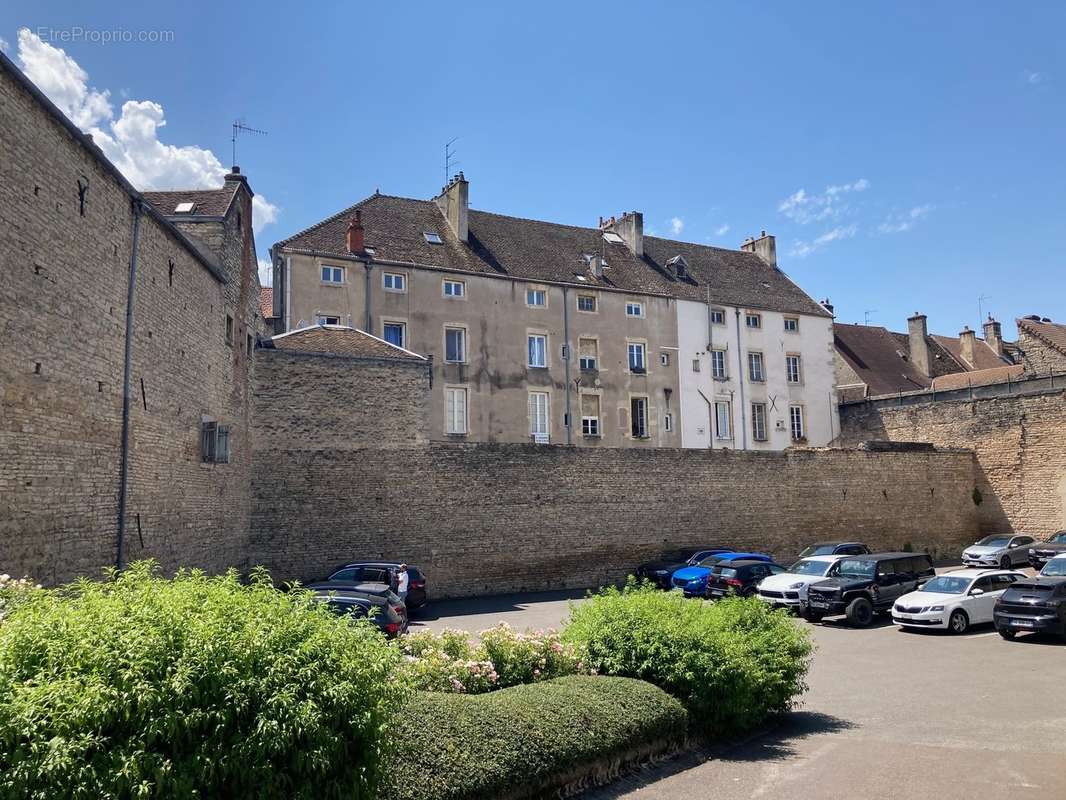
[732, 662]
[454, 747]
[194, 687]
[449, 662]
[14, 592]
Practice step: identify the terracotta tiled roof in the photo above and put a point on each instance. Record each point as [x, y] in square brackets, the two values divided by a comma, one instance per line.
[338, 340]
[266, 302]
[206, 202]
[547, 251]
[878, 358]
[1049, 333]
[984, 356]
[979, 377]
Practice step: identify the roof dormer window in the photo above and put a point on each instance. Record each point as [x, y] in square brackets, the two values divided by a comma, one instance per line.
[184, 208]
[432, 238]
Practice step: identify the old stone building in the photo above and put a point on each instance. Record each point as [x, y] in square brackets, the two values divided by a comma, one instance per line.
[1041, 345]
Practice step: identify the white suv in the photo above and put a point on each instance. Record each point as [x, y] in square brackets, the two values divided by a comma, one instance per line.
[789, 588]
[955, 600]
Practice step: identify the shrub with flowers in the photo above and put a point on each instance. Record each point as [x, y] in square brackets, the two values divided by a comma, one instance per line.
[13, 592]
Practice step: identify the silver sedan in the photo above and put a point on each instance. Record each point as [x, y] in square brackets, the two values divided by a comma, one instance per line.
[1001, 550]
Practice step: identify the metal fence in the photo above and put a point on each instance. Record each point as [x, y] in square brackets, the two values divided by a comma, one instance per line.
[1037, 384]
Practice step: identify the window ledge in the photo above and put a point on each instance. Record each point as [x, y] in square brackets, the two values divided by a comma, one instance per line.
[457, 435]
[721, 378]
[592, 436]
[333, 285]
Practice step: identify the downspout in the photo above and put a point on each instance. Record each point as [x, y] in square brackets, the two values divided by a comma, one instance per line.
[288, 293]
[740, 381]
[710, 419]
[710, 365]
[366, 326]
[566, 363]
[127, 374]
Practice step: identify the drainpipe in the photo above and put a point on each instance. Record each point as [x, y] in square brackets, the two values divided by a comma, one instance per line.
[710, 420]
[710, 370]
[566, 364]
[740, 380]
[368, 268]
[127, 373]
[288, 293]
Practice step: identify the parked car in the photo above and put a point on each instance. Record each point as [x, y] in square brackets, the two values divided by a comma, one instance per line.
[1054, 568]
[1033, 604]
[356, 606]
[693, 580]
[740, 577]
[660, 572]
[865, 585]
[954, 601]
[834, 549]
[1041, 552]
[372, 591]
[789, 589]
[385, 572]
[1001, 550]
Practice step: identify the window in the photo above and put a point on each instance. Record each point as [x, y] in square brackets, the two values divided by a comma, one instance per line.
[590, 415]
[695, 365]
[214, 443]
[758, 422]
[589, 354]
[454, 289]
[395, 333]
[755, 370]
[668, 423]
[795, 421]
[229, 329]
[634, 309]
[333, 275]
[586, 302]
[723, 425]
[792, 368]
[455, 410]
[636, 357]
[792, 324]
[394, 281]
[638, 408]
[718, 364]
[537, 345]
[753, 320]
[250, 344]
[718, 316]
[537, 298]
[431, 237]
[455, 345]
[327, 319]
[538, 416]
[664, 359]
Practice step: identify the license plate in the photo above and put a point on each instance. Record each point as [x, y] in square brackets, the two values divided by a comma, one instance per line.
[718, 592]
[1022, 623]
[904, 617]
[819, 604]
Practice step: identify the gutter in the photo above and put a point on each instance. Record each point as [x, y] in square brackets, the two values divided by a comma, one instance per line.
[566, 365]
[740, 381]
[368, 267]
[127, 372]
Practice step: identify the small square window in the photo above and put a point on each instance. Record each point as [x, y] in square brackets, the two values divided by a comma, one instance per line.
[454, 289]
[328, 319]
[792, 324]
[229, 330]
[664, 359]
[537, 298]
[394, 333]
[586, 302]
[668, 423]
[753, 320]
[394, 282]
[334, 275]
[634, 309]
[717, 316]
[432, 238]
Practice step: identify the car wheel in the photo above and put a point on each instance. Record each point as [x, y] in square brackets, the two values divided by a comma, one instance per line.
[811, 616]
[1007, 633]
[958, 622]
[860, 612]
[1004, 562]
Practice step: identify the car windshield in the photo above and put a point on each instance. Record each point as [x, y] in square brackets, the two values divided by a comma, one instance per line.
[818, 550]
[1055, 568]
[808, 566]
[725, 572]
[710, 561]
[946, 584]
[994, 541]
[1058, 538]
[855, 568]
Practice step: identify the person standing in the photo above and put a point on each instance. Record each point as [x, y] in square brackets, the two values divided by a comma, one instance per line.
[403, 580]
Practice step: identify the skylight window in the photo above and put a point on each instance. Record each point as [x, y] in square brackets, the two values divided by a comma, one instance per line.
[432, 238]
[184, 208]
[613, 238]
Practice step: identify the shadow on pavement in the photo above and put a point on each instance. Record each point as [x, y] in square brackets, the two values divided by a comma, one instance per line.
[493, 604]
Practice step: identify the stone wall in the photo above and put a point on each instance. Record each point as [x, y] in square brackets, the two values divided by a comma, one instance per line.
[1020, 446]
[1039, 357]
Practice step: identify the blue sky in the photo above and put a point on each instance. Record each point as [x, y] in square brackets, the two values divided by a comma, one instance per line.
[908, 156]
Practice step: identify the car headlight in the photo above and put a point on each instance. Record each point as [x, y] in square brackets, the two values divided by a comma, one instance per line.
[796, 585]
[935, 608]
[1032, 552]
[660, 572]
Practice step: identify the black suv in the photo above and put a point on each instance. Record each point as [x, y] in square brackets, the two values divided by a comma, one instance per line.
[867, 584]
[1032, 604]
[834, 548]
[1041, 552]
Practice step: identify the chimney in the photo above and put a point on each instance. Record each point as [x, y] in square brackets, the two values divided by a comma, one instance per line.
[968, 342]
[827, 305]
[994, 336]
[356, 237]
[454, 203]
[765, 247]
[919, 345]
[631, 228]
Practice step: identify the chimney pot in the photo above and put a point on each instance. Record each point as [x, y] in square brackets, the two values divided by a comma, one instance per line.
[454, 203]
[356, 235]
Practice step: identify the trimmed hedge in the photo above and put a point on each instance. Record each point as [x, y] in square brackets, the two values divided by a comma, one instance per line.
[732, 663]
[454, 747]
[194, 687]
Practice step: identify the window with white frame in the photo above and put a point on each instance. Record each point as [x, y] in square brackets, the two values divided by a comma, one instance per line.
[586, 303]
[638, 417]
[394, 333]
[455, 345]
[753, 320]
[664, 359]
[668, 422]
[793, 369]
[589, 357]
[454, 288]
[537, 347]
[758, 422]
[455, 411]
[538, 414]
[795, 420]
[718, 364]
[755, 367]
[334, 275]
[394, 281]
[718, 316]
[634, 309]
[590, 415]
[637, 360]
[792, 324]
[536, 298]
[695, 365]
[327, 319]
[723, 420]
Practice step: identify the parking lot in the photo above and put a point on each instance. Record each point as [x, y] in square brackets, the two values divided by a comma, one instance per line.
[888, 713]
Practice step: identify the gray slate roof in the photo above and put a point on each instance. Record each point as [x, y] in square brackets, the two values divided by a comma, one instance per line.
[547, 251]
[206, 202]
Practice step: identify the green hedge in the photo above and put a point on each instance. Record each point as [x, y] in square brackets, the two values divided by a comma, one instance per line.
[454, 746]
[194, 687]
[732, 663]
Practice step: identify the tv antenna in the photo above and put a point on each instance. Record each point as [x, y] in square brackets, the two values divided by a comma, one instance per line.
[866, 315]
[449, 162]
[981, 307]
[240, 127]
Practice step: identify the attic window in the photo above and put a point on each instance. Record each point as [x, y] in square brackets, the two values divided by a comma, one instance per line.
[432, 238]
[370, 251]
[184, 208]
[613, 238]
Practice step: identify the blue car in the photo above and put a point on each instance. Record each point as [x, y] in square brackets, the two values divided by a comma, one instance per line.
[693, 580]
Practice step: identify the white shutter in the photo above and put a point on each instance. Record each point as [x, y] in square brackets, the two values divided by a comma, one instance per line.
[538, 415]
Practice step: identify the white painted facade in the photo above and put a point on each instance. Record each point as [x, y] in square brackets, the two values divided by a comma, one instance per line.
[813, 394]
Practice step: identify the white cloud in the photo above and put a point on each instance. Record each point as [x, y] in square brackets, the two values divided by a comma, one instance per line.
[266, 273]
[132, 140]
[804, 208]
[4, 46]
[802, 249]
[898, 223]
[676, 225]
[1033, 78]
[721, 230]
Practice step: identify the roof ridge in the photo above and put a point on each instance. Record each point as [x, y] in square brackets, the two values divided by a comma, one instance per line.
[1032, 326]
[333, 218]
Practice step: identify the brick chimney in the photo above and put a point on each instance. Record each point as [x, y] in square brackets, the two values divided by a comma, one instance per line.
[917, 331]
[356, 236]
[968, 343]
[765, 247]
[994, 336]
[454, 203]
[630, 226]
